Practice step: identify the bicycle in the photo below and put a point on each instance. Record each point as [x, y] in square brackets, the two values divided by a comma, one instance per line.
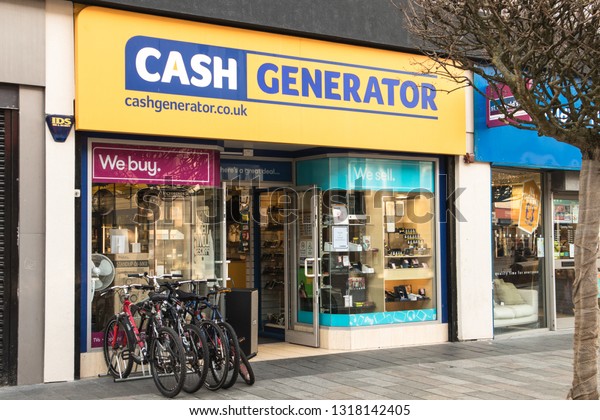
[230, 334]
[238, 362]
[218, 331]
[193, 338]
[218, 350]
[157, 344]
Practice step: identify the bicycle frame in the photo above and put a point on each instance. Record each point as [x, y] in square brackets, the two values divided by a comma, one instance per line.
[130, 323]
[126, 310]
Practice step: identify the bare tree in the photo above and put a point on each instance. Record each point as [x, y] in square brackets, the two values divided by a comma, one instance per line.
[547, 52]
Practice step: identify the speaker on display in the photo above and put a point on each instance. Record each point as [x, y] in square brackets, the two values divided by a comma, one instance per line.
[241, 308]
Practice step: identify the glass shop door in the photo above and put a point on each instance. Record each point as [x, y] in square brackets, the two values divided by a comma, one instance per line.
[304, 228]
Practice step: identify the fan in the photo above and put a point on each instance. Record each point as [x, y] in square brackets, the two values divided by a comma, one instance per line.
[103, 272]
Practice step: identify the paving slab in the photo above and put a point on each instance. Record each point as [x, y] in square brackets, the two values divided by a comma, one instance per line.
[535, 367]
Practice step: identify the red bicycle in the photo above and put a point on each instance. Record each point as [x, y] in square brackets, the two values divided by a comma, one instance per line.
[152, 343]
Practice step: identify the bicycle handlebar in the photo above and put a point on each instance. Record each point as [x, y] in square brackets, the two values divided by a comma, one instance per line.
[189, 281]
[127, 287]
[217, 289]
[159, 277]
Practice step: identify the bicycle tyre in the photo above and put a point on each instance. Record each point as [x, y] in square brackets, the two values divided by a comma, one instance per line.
[218, 355]
[246, 371]
[118, 355]
[197, 359]
[234, 354]
[168, 366]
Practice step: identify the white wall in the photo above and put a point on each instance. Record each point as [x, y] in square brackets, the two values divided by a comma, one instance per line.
[60, 213]
[473, 244]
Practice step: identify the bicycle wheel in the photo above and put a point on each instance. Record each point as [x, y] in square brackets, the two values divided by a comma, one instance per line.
[218, 351]
[234, 354]
[168, 365]
[196, 359]
[246, 371]
[118, 347]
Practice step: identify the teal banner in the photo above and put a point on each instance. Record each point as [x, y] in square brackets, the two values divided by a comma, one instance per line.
[367, 174]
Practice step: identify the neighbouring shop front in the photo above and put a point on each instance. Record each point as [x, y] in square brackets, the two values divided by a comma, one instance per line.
[534, 216]
[305, 172]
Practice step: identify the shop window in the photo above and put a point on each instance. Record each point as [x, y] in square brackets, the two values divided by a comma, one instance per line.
[148, 228]
[518, 246]
[379, 247]
[409, 243]
[379, 255]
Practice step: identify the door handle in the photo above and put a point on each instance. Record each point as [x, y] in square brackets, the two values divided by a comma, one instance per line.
[306, 267]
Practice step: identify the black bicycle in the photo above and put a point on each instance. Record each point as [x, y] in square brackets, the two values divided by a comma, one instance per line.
[193, 339]
[216, 338]
[238, 363]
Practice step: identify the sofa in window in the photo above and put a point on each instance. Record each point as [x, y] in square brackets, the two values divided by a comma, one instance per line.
[514, 306]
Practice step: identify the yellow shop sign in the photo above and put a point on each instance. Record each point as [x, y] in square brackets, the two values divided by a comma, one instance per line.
[159, 76]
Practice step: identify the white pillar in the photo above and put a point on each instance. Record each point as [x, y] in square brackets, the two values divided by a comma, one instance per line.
[473, 243]
[59, 322]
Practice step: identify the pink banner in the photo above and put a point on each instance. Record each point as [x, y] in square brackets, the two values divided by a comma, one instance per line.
[133, 164]
[495, 117]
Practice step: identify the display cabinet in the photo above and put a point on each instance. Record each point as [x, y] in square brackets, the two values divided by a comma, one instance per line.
[409, 260]
[378, 239]
[272, 262]
[375, 261]
[348, 256]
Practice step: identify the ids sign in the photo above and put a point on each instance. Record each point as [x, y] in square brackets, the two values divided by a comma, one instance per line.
[151, 75]
[59, 126]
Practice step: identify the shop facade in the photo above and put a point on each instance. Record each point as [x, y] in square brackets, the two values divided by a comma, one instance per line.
[292, 150]
[262, 161]
[534, 189]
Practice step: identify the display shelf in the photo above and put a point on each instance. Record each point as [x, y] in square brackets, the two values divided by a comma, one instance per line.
[272, 262]
[363, 309]
[406, 305]
[407, 273]
[348, 255]
[351, 247]
[409, 256]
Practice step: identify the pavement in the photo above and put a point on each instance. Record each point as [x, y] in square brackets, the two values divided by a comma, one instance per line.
[537, 366]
